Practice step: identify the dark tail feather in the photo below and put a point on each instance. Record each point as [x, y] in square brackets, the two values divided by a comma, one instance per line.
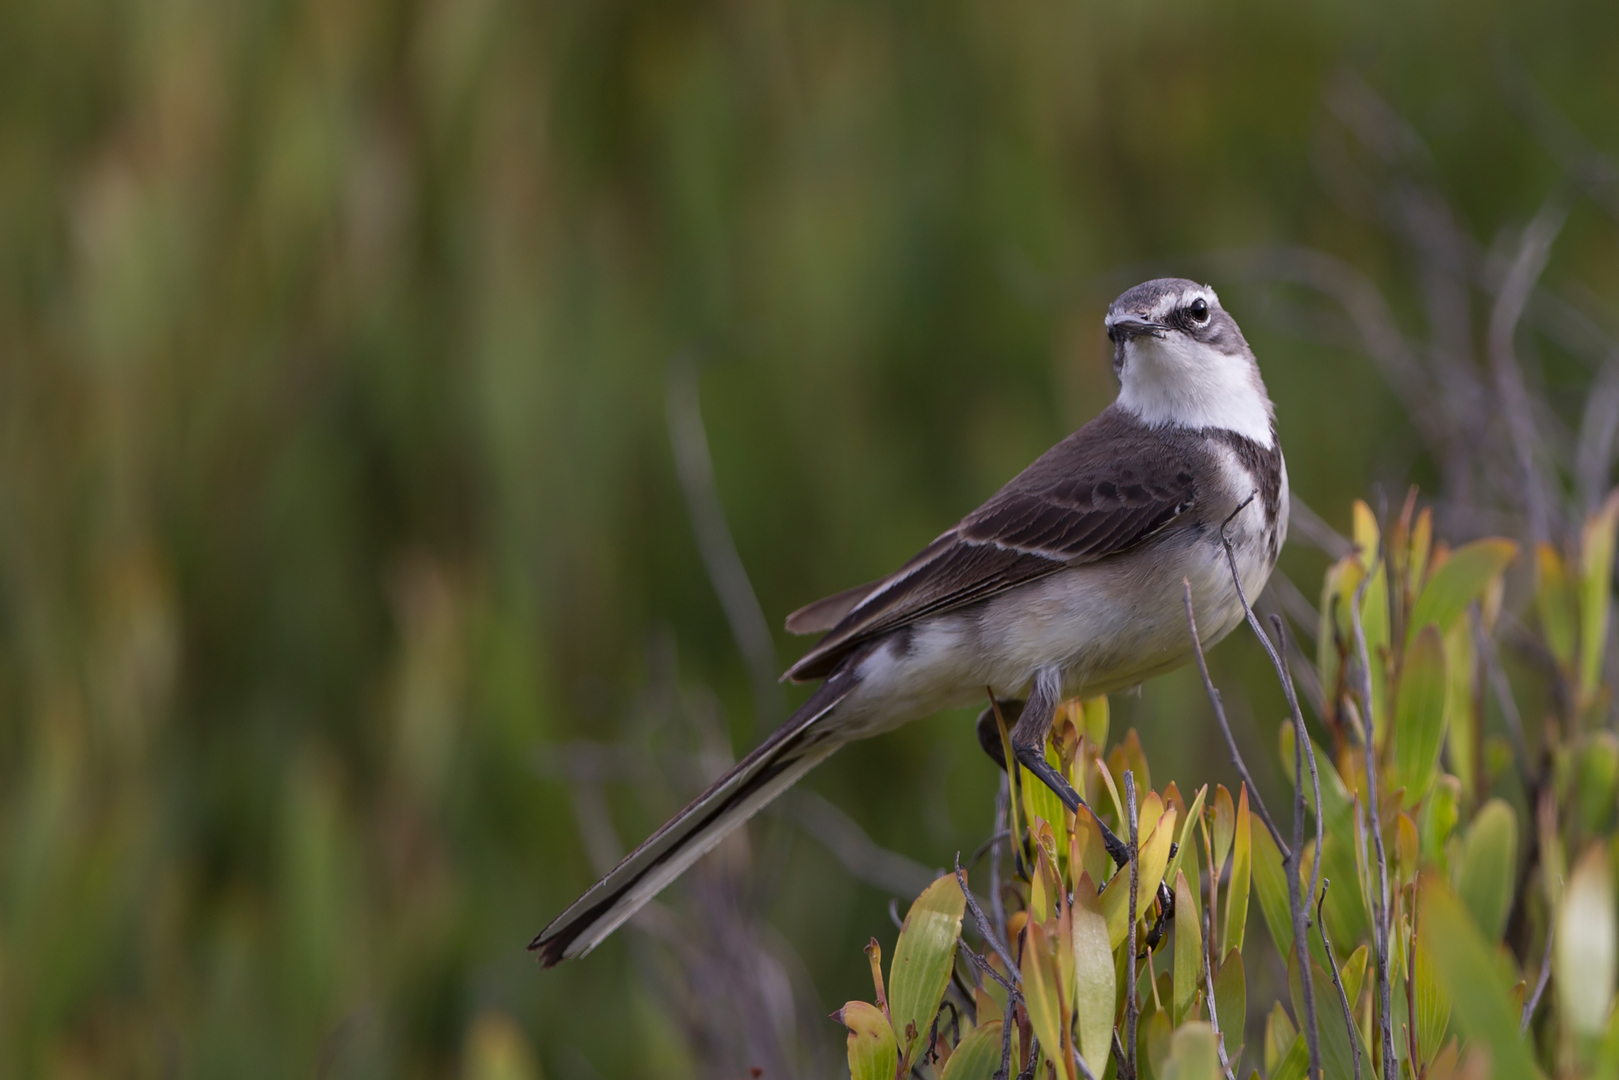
[791, 751]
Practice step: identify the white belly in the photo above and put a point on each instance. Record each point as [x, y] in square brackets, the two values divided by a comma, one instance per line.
[1106, 627]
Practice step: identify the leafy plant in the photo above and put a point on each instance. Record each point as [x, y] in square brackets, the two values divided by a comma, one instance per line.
[1420, 925]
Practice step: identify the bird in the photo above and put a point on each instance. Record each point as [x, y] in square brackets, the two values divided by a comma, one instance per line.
[1068, 581]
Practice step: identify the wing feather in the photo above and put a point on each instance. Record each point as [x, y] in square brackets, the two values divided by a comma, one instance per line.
[1104, 490]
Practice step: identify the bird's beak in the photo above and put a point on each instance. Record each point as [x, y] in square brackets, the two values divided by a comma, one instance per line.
[1126, 327]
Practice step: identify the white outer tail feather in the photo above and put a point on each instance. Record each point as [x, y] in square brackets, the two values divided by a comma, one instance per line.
[797, 747]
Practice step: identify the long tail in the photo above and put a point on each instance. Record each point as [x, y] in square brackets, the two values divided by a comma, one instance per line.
[791, 751]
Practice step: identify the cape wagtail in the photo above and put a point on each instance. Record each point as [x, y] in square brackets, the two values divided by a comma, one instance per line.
[1068, 581]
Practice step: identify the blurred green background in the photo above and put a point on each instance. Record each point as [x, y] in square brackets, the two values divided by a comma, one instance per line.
[337, 498]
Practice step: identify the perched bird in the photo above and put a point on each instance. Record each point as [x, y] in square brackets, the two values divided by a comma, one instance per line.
[1068, 581]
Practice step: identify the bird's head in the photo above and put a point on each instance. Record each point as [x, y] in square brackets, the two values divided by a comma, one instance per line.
[1182, 361]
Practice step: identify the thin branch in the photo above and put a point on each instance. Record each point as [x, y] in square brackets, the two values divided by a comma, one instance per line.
[1131, 1006]
[1337, 979]
[1257, 802]
[714, 542]
[983, 924]
[1533, 251]
[1301, 747]
[1214, 1013]
[1314, 528]
[1530, 1005]
[1380, 901]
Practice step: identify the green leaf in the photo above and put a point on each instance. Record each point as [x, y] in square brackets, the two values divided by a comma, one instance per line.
[872, 1054]
[1153, 859]
[1236, 912]
[1596, 578]
[1462, 731]
[1419, 715]
[1353, 972]
[1040, 990]
[1095, 716]
[1296, 1063]
[1597, 779]
[1584, 956]
[1188, 950]
[1270, 882]
[1225, 826]
[1459, 581]
[1096, 989]
[1439, 817]
[1557, 603]
[1193, 1053]
[1231, 1001]
[1432, 1005]
[978, 1054]
[1466, 965]
[924, 956]
[1489, 863]
[1188, 840]
[1280, 1034]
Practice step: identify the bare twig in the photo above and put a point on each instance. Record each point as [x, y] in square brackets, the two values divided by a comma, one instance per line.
[1302, 747]
[1257, 802]
[720, 558]
[1337, 978]
[1131, 1006]
[1214, 1012]
[1533, 250]
[1533, 1001]
[1380, 900]
[984, 928]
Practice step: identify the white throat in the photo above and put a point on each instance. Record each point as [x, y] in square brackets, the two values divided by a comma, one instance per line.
[1176, 382]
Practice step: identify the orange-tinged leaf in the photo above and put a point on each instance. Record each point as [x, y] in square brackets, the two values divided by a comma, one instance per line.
[1040, 996]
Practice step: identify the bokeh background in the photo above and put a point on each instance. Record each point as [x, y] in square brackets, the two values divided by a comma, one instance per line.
[357, 604]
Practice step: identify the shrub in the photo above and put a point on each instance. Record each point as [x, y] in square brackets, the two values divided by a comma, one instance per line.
[1447, 875]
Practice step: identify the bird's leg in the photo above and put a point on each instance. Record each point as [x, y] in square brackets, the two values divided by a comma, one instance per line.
[1029, 744]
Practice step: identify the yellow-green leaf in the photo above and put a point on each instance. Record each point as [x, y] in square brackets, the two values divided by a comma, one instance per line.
[1295, 1064]
[1270, 882]
[1466, 966]
[1225, 826]
[1187, 841]
[1597, 776]
[978, 1054]
[1353, 972]
[1193, 1054]
[1040, 991]
[1583, 962]
[1152, 861]
[1419, 715]
[1095, 986]
[1096, 716]
[1188, 950]
[1432, 1006]
[924, 956]
[1596, 577]
[1461, 579]
[1558, 606]
[1280, 1035]
[1461, 728]
[872, 1054]
[1489, 864]
[1236, 912]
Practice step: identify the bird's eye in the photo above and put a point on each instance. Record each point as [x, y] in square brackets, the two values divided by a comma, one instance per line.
[1200, 309]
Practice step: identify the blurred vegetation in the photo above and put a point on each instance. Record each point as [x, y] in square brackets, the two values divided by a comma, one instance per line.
[337, 503]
